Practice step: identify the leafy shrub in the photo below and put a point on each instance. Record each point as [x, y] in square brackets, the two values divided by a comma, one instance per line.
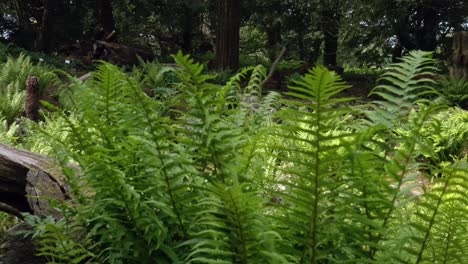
[11, 50]
[156, 77]
[11, 102]
[455, 91]
[231, 177]
[16, 71]
[447, 135]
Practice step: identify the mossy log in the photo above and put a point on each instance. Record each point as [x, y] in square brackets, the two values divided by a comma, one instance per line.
[25, 180]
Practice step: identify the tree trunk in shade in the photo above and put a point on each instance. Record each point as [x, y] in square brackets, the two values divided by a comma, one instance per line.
[227, 34]
[46, 36]
[106, 16]
[458, 60]
[330, 23]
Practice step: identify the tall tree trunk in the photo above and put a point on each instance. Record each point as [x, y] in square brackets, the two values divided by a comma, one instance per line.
[274, 39]
[24, 34]
[426, 37]
[330, 18]
[330, 47]
[105, 15]
[46, 36]
[20, 13]
[189, 25]
[227, 34]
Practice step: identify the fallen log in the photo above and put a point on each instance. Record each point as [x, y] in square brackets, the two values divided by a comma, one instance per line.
[119, 54]
[25, 180]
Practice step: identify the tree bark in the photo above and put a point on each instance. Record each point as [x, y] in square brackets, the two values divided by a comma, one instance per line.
[191, 24]
[227, 34]
[458, 61]
[330, 17]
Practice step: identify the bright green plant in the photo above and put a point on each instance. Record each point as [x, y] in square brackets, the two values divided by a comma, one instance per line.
[16, 70]
[11, 102]
[235, 176]
[447, 135]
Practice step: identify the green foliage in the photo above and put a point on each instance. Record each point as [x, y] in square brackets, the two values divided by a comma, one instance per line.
[16, 70]
[404, 85]
[6, 221]
[227, 174]
[11, 102]
[13, 75]
[455, 91]
[447, 135]
[316, 137]
[156, 77]
[11, 50]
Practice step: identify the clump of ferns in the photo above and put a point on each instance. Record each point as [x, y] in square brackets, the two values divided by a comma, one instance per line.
[133, 186]
[187, 189]
[16, 70]
[229, 227]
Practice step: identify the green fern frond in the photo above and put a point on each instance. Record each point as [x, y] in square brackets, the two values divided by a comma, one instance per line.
[230, 229]
[191, 72]
[314, 132]
[11, 102]
[437, 211]
[404, 85]
[17, 70]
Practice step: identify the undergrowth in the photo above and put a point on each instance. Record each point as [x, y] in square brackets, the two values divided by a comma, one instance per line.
[227, 174]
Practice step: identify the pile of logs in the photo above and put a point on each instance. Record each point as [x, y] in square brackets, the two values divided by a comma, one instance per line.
[104, 47]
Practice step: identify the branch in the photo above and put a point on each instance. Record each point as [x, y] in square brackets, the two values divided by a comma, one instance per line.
[274, 65]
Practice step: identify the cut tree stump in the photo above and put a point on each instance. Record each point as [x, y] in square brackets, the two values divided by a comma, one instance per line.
[25, 180]
[458, 60]
[31, 103]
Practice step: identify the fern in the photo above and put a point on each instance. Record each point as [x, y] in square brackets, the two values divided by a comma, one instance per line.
[11, 102]
[16, 71]
[228, 174]
[313, 142]
[455, 91]
[406, 84]
[436, 212]
[228, 227]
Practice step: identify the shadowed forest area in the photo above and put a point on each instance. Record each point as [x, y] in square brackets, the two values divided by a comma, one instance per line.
[232, 131]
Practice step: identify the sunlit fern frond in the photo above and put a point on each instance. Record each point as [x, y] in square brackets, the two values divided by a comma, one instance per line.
[439, 224]
[316, 138]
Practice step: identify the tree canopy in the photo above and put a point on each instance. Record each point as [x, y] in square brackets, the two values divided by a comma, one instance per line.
[332, 31]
